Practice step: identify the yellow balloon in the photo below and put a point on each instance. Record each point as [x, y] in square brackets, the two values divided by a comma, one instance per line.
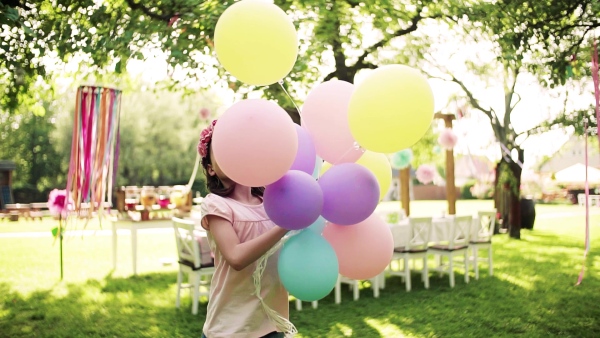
[391, 109]
[379, 165]
[326, 166]
[256, 42]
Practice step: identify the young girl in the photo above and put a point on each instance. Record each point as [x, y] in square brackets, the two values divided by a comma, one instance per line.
[239, 233]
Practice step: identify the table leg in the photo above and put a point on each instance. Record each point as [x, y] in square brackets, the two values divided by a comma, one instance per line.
[134, 248]
[114, 245]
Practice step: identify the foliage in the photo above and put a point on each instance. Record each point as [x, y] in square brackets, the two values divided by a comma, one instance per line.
[507, 180]
[530, 278]
[25, 139]
[101, 37]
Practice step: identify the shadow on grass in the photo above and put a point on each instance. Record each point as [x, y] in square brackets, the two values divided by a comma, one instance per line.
[532, 294]
[138, 306]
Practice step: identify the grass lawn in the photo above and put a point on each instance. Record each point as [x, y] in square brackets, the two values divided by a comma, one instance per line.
[532, 292]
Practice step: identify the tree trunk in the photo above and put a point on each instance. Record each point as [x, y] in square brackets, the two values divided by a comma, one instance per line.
[514, 214]
[508, 201]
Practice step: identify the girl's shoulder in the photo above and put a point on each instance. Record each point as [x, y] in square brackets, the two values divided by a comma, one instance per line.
[216, 205]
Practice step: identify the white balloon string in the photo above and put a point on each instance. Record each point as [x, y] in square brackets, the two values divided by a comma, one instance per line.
[291, 99]
[280, 322]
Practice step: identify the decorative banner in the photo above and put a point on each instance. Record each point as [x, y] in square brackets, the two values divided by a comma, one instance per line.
[94, 147]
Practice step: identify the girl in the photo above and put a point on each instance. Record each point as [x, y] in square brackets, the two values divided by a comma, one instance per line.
[239, 232]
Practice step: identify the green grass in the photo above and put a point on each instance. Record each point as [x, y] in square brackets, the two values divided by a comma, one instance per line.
[532, 292]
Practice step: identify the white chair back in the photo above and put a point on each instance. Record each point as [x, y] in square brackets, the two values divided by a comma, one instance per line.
[420, 233]
[460, 231]
[487, 223]
[187, 246]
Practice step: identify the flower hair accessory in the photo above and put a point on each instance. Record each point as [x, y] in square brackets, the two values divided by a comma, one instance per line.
[205, 138]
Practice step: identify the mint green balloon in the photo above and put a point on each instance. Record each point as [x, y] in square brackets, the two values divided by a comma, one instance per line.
[308, 266]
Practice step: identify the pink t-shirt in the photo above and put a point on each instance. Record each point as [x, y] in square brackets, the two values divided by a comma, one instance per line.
[233, 309]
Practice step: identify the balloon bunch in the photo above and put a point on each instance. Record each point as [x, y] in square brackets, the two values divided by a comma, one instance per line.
[350, 127]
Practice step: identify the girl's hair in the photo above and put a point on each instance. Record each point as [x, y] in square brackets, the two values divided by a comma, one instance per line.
[214, 184]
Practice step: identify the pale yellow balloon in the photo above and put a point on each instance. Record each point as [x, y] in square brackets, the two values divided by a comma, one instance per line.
[326, 166]
[256, 42]
[391, 109]
[379, 165]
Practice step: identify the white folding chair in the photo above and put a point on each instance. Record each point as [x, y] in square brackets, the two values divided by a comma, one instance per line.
[191, 261]
[315, 304]
[415, 247]
[355, 286]
[457, 243]
[486, 221]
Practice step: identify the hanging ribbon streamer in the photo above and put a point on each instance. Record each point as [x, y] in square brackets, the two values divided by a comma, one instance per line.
[94, 148]
[507, 155]
[585, 127]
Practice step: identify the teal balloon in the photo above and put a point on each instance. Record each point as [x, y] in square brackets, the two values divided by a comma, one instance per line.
[308, 266]
[317, 170]
[437, 149]
[401, 159]
[318, 226]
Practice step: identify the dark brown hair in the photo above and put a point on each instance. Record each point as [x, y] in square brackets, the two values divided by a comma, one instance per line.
[214, 184]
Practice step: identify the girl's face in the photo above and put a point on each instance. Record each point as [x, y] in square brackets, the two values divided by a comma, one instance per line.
[214, 169]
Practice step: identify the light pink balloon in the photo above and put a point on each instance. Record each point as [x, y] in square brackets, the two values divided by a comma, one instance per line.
[255, 142]
[364, 249]
[325, 116]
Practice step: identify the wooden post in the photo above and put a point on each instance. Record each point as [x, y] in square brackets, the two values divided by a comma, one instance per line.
[450, 187]
[404, 177]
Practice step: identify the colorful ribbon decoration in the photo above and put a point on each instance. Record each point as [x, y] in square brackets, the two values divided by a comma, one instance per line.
[94, 147]
[596, 79]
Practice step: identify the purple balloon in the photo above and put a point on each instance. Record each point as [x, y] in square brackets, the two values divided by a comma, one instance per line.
[295, 201]
[350, 193]
[307, 154]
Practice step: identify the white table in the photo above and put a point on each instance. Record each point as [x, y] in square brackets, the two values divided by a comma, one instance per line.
[133, 227]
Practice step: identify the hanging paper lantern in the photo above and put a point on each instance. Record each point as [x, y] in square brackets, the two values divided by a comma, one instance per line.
[401, 159]
[425, 173]
[447, 138]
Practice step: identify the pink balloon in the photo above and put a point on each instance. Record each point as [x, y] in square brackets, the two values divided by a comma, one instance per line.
[325, 116]
[364, 249]
[255, 142]
[306, 156]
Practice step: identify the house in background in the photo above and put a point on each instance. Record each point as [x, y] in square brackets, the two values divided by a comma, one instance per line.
[571, 153]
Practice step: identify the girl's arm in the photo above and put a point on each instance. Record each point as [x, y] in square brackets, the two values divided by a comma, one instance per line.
[240, 255]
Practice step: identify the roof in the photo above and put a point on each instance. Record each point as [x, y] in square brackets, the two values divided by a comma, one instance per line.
[7, 165]
[575, 174]
[572, 152]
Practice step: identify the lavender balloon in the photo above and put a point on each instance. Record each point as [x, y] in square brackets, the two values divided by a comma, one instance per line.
[350, 193]
[306, 154]
[295, 201]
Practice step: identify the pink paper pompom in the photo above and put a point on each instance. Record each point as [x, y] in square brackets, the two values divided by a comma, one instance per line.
[204, 113]
[425, 173]
[57, 202]
[447, 139]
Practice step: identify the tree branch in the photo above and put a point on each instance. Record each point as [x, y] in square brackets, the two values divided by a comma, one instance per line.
[138, 6]
[360, 62]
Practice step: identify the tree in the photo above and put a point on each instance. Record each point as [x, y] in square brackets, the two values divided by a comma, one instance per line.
[99, 37]
[25, 138]
[542, 37]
